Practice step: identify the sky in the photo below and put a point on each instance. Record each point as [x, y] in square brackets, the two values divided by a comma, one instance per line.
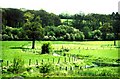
[65, 6]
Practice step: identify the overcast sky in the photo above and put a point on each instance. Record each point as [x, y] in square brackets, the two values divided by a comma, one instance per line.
[60, 6]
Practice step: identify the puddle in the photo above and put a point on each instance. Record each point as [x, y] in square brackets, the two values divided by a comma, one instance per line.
[54, 54]
[106, 64]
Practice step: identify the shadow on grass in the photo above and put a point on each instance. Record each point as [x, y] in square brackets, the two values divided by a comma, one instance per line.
[18, 48]
[117, 47]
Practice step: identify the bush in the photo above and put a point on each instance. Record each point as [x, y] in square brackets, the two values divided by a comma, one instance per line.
[66, 50]
[17, 66]
[5, 37]
[97, 34]
[67, 37]
[110, 36]
[79, 36]
[45, 68]
[60, 38]
[46, 48]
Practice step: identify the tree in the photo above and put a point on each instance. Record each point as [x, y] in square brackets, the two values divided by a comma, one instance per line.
[48, 19]
[96, 34]
[33, 27]
[106, 28]
[87, 32]
[12, 17]
[116, 26]
[54, 20]
[78, 21]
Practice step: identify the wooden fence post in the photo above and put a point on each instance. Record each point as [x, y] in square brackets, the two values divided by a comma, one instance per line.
[53, 68]
[69, 59]
[60, 68]
[87, 48]
[71, 68]
[78, 72]
[7, 63]
[53, 60]
[29, 62]
[62, 47]
[48, 59]
[65, 59]
[72, 59]
[80, 67]
[70, 55]
[36, 62]
[14, 61]
[42, 61]
[58, 60]
[66, 68]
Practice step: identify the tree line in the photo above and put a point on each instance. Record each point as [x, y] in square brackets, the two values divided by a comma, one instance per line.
[22, 24]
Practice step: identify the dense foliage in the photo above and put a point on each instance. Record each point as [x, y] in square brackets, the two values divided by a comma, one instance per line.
[46, 48]
[62, 32]
[22, 24]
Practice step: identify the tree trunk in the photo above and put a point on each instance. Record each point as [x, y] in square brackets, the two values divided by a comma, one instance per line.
[33, 43]
[114, 42]
[114, 39]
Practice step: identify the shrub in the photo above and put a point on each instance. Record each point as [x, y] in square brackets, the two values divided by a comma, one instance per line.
[46, 48]
[79, 36]
[45, 68]
[17, 66]
[4, 69]
[46, 38]
[25, 74]
[66, 50]
[67, 37]
[60, 38]
[28, 68]
[52, 38]
[5, 37]
[110, 36]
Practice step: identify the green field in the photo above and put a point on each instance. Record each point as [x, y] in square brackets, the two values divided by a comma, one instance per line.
[78, 54]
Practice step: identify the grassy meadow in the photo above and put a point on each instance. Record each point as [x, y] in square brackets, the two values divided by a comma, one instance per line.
[68, 58]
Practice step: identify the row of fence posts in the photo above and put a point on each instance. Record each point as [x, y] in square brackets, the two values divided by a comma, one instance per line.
[66, 68]
[66, 59]
[80, 48]
[70, 59]
[86, 48]
[70, 68]
[61, 68]
[55, 67]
